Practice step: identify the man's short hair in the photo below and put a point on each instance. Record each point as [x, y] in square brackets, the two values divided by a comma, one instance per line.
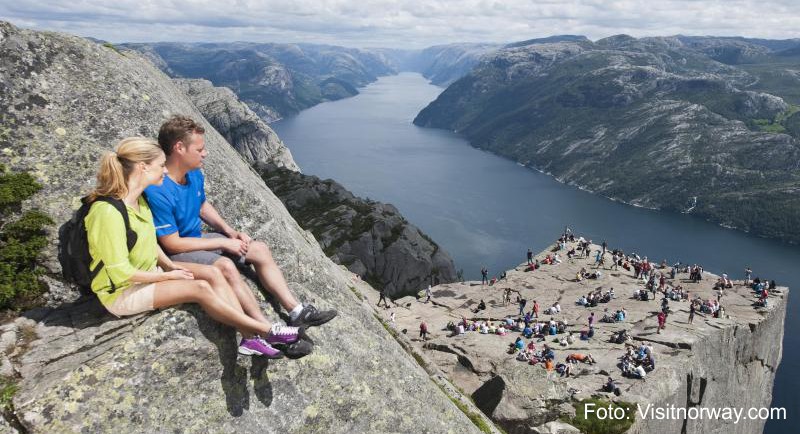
[176, 129]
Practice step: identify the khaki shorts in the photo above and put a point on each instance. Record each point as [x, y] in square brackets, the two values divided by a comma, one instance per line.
[137, 298]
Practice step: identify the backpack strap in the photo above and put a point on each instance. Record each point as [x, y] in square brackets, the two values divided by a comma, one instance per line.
[131, 236]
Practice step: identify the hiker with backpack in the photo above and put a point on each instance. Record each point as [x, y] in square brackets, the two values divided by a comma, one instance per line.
[179, 207]
[129, 272]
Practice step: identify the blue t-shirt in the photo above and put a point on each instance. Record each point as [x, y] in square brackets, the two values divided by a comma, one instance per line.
[176, 207]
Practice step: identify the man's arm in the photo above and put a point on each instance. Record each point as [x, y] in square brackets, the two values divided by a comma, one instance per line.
[210, 215]
[212, 218]
[174, 243]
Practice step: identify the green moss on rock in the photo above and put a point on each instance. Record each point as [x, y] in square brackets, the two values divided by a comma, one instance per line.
[22, 239]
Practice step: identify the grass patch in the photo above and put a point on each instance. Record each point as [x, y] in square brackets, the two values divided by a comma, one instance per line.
[111, 46]
[595, 425]
[777, 125]
[356, 292]
[476, 418]
[386, 326]
[419, 360]
[7, 390]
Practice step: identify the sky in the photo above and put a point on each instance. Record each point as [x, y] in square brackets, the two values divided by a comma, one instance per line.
[401, 23]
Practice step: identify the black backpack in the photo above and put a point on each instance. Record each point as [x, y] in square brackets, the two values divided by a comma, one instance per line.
[73, 245]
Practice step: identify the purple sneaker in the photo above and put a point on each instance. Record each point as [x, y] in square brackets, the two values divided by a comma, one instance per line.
[282, 335]
[257, 347]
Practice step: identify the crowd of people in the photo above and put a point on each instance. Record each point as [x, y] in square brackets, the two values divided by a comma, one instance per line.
[637, 363]
[536, 337]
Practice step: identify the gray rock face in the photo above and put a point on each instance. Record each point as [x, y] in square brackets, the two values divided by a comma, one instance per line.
[64, 101]
[370, 238]
[239, 125]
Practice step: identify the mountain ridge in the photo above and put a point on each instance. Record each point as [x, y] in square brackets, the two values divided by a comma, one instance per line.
[646, 121]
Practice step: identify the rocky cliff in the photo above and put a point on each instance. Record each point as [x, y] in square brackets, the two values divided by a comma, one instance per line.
[652, 122]
[63, 101]
[240, 126]
[275, 80]
[371, 239]
[710, 363]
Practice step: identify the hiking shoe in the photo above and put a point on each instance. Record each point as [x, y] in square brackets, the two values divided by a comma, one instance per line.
[258, 347]
[310, 316]
[298, 349]
[283, 335]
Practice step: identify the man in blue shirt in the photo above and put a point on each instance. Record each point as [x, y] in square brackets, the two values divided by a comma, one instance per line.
[179, 205]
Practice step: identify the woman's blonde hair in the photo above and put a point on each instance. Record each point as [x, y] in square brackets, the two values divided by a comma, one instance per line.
[116, 166]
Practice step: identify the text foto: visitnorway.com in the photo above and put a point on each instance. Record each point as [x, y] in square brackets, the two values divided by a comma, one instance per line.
[672, 412]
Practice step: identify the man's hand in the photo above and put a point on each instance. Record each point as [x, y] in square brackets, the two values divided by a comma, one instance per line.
[242, 236]
[235, 246]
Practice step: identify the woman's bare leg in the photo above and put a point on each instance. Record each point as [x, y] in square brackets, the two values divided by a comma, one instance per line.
[172, 292]
[216, 279]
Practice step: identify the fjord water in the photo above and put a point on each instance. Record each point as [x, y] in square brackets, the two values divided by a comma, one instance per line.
[487, 210]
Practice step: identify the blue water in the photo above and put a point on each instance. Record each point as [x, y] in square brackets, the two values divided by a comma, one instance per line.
[487, 211]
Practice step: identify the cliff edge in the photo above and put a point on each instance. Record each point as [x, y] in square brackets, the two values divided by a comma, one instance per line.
[709, 363]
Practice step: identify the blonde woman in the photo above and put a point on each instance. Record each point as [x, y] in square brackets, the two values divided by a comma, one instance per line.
[143, 278]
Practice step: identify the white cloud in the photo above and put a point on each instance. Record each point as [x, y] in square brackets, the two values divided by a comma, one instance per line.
[401, 23]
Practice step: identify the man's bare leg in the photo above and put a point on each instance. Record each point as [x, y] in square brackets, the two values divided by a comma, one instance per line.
[270, 275]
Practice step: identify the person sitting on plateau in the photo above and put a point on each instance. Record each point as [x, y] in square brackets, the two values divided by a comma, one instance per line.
[583, 358]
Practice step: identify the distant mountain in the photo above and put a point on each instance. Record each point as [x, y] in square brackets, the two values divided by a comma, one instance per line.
[655, 122]
[549, 40]
[444, 64]
[275, 80]
[762, 45]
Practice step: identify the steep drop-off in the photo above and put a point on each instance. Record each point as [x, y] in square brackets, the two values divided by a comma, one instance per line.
[371, 239]
[712, 363]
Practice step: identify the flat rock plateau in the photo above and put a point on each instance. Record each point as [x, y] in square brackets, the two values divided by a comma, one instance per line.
[707, 363]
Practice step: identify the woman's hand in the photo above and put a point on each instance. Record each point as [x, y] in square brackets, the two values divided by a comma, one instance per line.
[179, 273]
[171, 266]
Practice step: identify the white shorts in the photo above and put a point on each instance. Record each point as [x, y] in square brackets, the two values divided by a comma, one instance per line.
[136, 298]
